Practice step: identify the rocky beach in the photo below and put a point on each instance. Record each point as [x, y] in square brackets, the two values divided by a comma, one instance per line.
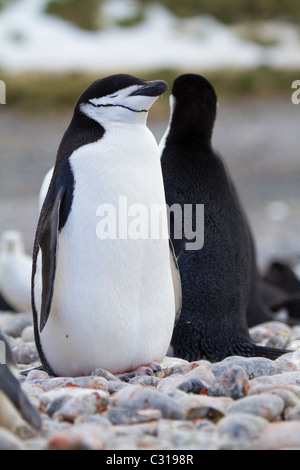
[236, 404]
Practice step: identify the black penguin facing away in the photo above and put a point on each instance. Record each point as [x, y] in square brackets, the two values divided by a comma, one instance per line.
[215, 279]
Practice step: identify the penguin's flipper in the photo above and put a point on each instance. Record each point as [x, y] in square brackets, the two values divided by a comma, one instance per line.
[48, 243]
[176, 282]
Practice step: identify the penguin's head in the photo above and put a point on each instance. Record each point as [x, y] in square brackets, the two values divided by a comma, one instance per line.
[193, 102]
[120, 98]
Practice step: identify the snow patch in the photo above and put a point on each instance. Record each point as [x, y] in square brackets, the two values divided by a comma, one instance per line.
[34, 41]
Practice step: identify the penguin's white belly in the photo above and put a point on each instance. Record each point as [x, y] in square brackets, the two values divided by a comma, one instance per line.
[113, 305]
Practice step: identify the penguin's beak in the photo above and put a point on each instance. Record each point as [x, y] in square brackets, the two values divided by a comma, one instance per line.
[155, 88]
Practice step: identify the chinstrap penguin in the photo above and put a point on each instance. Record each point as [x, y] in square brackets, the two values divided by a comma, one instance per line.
[215, 279]
[15, 271]
[103, 303]
[15, 408]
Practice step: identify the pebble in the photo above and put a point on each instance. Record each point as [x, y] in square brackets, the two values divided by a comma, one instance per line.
[25, 353]
[129, 416]
[16, 324]
[69, 402]
[9, 441]
[289, 395]
[267, 406]
[202, 406]
[292, 413]
[271, 333]
[5, 317]
[234, 383]
[196, 380]
[292, 378]
[235, 404]
[139, 397]
[84, 404]
[81, 437]
[281, 435]
[27, 334]
[254, 366]
[241, 425]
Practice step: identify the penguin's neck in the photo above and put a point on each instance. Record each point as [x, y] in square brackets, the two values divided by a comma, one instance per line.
[190, 140]
[131, 146]
[190, 122]
[196, 131]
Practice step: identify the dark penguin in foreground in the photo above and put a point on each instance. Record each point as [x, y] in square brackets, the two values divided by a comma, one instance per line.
[102, 298]
[216, 278]
[15, 408]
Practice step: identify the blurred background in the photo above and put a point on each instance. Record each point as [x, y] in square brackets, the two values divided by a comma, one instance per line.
[50, 50]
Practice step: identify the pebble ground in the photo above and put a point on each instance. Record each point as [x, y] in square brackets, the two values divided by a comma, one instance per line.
[236, 404]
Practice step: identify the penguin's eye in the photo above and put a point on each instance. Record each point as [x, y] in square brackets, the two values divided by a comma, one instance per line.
[114, 96]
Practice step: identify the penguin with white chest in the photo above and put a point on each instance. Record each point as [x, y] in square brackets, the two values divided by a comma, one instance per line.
[103, 303]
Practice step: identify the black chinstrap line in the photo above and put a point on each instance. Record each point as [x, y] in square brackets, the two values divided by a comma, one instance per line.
[119, 106]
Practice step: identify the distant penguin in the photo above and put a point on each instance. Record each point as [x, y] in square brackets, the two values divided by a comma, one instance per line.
[281, 274]
[14, 405]
[283, 304]
[280, 289]
[104, 302]
[216, 278]
[15, 271]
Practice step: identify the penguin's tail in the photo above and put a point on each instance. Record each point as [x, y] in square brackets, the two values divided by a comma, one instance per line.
[269, 353]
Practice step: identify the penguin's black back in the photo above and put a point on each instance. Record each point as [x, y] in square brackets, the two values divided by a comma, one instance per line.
[215, 279]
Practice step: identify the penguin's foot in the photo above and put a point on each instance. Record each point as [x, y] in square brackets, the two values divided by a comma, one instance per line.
[141, 370]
